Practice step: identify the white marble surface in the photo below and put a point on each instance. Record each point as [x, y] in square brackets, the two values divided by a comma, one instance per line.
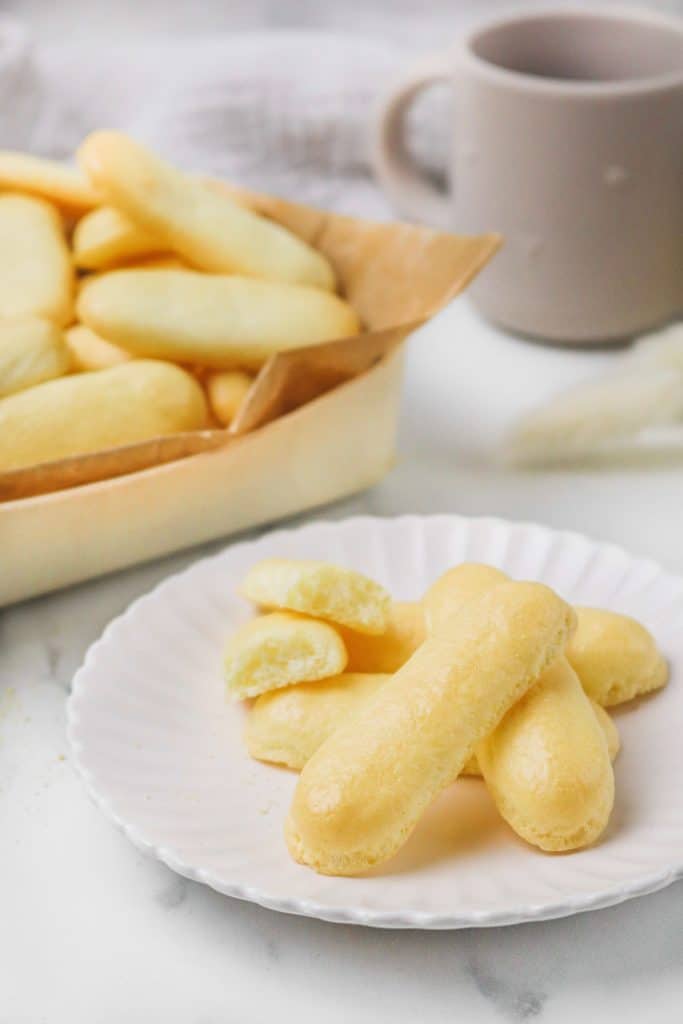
[91, 932]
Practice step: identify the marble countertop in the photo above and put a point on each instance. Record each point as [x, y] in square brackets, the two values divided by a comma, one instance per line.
[92, 932]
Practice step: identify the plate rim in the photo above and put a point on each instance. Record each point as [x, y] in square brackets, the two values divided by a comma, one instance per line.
[613, 895]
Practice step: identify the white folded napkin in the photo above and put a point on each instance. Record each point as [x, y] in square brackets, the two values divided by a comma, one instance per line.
[19, 86]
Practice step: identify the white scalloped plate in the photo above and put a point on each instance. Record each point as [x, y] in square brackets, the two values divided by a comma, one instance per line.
[161, 752]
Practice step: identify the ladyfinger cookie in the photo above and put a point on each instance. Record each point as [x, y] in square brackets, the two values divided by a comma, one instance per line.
[219, 321]
[615, 657]
[276, 650]
[31, 352]
[87, 412]
[547, 763]
[321, 590]
[361, 795]
[36, 275]
[208, 228]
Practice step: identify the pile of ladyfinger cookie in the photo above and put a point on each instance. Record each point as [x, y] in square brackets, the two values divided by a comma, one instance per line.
[138, 301]
[381, 704]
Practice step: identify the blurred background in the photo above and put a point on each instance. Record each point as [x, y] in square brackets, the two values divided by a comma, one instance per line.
[279, 95]
[400, 21]
[275, 93]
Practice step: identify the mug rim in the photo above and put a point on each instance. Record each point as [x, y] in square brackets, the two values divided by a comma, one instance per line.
[568, 86]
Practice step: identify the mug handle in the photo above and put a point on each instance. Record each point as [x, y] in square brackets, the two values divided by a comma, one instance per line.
[409, 189]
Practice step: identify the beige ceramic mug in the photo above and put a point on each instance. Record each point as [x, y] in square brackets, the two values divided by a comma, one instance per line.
[568, 139]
